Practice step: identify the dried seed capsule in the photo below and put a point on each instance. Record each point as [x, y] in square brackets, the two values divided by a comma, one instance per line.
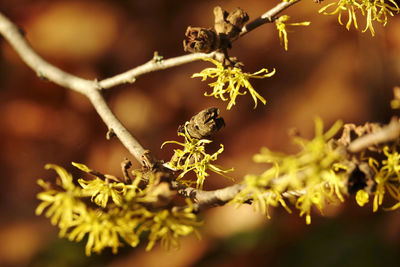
[204, 124]
[200, 40]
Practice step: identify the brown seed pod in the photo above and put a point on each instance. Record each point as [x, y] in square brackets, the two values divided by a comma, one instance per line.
[203, 124]
[229, 24]
[200, 40]
[227, 27]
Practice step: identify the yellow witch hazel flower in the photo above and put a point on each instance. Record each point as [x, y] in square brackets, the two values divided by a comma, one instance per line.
[101, 190]
[230, 80]
[101, 231]
[313, 177]
[126, 217]
[374, 10]
[281, 24]
[194, 158]
[387, 178]
[169, 225]
[263, 198]
[63, 208]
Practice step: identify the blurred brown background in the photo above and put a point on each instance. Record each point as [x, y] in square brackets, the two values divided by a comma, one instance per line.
[328, 71]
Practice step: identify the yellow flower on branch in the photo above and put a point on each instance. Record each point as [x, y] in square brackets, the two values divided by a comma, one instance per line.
[262, 198]
[101, 190]
[343, 6]
[315, 176]
[124, 218]
[383, 9]
[387, 177]
[99, 229]
[63, 208]
[281, 24]
[168, 225]
[194, 158]
[374, 10]
[230, 80]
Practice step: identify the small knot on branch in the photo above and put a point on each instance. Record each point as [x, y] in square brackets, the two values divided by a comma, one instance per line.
[110, 134]
[157, 58]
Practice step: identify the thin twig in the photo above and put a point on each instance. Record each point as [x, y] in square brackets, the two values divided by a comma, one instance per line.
[267, 17]
[86, 87]
[90, 88]
[154, 65]
[151, 66]
[388, 133]
[206, 199]
[42, 68]
[219, 197]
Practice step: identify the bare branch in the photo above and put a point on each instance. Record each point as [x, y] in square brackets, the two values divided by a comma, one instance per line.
[388, 133]
[151, 66]
[90, 88]
[86, 87]
[42, 68]
[206, 199]
[267, 17]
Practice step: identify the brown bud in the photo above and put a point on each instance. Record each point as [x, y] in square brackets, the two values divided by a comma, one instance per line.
[220, 23]
[238, 18]
[229, 24]
[200, 40]
[203, 124]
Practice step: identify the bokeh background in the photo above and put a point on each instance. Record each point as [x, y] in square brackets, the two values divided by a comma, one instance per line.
[328, 72]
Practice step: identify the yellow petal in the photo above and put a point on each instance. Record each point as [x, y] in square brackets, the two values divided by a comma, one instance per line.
[82, 167]
[362, 197]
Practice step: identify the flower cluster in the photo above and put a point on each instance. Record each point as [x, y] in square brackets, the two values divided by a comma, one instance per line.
[230, 80]
[194, 158]
[119, 212]
[387, 180]
[374, 10]
[281, 24]
[313, 177]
